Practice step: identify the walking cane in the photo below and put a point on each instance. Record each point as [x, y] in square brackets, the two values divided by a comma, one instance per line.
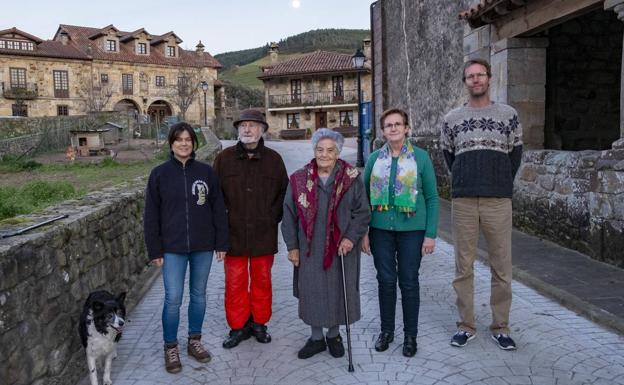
[344, 291]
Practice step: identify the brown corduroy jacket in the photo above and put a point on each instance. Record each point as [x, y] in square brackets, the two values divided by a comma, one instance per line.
[253, 189]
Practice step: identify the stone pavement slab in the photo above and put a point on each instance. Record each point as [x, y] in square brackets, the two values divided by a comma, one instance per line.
[556, 345]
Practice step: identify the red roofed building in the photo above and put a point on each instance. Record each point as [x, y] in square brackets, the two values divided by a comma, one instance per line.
[316, 90]
[86, 69]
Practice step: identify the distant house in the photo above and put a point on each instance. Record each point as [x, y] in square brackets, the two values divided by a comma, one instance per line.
[84, 69]
[114, 133]
[87, 142]
[312, 91]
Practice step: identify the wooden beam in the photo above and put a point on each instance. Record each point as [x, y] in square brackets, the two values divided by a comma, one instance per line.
[537, 16]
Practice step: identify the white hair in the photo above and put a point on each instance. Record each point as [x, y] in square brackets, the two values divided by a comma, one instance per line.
[326, 133]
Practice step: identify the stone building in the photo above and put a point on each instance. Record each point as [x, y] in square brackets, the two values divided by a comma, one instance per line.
[559, 64]
[316, 90]
[84, 69]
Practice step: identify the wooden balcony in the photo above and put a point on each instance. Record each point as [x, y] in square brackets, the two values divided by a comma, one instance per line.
[29, 92]
[311, 99]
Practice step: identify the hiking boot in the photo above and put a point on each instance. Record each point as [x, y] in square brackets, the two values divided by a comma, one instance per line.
[235, 337]
[196, 350]
[461, 338]
[409, 346]
[383, 341]
[504, 341]
[336, 348]
[172, 359]
[311, 348]
[260, 332]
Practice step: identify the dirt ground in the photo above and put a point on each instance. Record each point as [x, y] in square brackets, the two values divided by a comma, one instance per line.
[138, 149]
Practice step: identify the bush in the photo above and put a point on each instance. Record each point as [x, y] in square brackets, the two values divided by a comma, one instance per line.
[32, 196]
[11, 163]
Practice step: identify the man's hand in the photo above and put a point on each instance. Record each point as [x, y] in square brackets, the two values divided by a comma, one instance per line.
[220, 256]
[293, 257]
[366, 244]
[428, 246]
[345, 246]
[158, 262]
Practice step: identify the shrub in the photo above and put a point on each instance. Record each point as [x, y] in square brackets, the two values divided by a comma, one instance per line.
[32, 196]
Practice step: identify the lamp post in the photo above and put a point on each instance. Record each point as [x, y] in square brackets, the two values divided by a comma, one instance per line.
[357, 61]
[204, 87]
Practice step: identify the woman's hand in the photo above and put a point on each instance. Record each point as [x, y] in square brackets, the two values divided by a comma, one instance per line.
[428, 246]
[158, 262]
[366, 244]
[220, 256]
[293, 257]
[345, 246]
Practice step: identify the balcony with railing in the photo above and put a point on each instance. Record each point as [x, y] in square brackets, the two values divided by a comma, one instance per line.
[311, 99]
[26, 91]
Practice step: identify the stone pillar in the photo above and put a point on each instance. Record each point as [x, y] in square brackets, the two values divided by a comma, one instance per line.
[519, 79]
[618, 7]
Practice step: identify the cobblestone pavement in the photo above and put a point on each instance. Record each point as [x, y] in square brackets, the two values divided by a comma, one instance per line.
[556, 346]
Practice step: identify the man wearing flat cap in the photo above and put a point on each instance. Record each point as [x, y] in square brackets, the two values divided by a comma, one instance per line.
[254, 181]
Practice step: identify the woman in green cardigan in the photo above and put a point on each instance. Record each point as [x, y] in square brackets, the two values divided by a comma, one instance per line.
[401, 186]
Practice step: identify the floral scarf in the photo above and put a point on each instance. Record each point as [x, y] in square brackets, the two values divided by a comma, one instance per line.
[304, 185]
[405, 184]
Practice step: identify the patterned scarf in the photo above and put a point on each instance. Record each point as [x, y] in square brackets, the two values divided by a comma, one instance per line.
[405, 186]
[304, 185]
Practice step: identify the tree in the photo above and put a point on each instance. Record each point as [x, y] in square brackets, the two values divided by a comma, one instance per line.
[184, 91]
[95, 97]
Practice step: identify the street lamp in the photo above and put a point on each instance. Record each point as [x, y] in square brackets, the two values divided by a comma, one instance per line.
[357, 61]
[204, 87]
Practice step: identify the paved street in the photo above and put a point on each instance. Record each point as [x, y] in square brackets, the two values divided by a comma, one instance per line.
[556, 346]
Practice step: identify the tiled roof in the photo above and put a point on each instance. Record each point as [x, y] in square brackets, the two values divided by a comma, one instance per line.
[484, 12]
[313, 63]
[80, 46]
[22, 33]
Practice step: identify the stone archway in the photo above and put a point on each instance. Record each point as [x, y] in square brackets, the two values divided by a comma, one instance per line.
[127, 105]
[158, 110]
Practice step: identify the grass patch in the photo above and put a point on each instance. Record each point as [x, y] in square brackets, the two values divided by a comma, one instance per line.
[12, 164]
[33, 196]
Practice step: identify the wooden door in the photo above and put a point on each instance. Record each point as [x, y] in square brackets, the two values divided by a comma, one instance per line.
[321, 120]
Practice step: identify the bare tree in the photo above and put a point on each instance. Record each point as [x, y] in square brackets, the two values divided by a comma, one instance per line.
[95, 97]
[185, 90]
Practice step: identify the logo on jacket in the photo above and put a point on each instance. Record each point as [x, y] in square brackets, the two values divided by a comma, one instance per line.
[201, 188]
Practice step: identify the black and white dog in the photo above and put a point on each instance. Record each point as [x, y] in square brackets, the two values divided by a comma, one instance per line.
[100, 327]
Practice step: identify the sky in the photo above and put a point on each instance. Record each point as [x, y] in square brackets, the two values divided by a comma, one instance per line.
[221, 25]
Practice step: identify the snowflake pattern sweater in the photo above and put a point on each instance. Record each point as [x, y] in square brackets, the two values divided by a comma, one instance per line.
[483, 150]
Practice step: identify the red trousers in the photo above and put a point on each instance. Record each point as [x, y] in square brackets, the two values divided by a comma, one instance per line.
[248, 290]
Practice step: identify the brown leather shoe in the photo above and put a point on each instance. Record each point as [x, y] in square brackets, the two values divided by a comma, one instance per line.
[196, 350]
[172, 359]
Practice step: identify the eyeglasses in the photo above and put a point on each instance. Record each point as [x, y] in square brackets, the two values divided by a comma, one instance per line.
[479, 75]
[395, 125]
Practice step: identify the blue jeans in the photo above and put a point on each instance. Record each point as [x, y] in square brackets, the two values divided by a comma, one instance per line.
[397, 254]
[174, 271]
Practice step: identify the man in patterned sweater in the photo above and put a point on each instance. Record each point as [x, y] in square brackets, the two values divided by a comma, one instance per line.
[482, 146]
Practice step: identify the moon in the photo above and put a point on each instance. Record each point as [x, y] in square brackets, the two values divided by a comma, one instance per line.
[296, 4]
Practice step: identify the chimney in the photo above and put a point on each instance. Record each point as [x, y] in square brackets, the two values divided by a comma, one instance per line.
[64, 38]
[89, 50]
[199, 48]
[273, 52]
[366, 43]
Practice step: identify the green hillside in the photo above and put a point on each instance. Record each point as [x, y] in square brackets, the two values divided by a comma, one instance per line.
[247, 75]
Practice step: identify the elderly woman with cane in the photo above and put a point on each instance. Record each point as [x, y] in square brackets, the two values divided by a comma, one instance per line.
[326, 214]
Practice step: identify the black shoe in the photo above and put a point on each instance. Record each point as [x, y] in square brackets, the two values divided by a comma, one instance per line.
[504, 341]
[461, 338]
[409, 346]
[311, 348]
[235, 337]
[260, 332]
[383, 341]
[336, 348]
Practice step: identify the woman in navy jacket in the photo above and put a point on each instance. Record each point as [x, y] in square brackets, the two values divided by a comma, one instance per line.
[185, 223]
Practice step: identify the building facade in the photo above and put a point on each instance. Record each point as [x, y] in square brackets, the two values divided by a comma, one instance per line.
[85, 69]
[313, 91]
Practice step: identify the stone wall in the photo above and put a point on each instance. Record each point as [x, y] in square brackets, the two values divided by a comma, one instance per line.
[583, 82]
[46, 275]
[575, 199]
[35, 135]
[421, 44]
